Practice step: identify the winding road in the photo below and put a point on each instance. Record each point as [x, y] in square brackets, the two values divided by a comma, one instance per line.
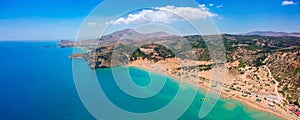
[276, 82]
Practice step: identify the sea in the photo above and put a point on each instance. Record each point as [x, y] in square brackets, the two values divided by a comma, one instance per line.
[37, 83]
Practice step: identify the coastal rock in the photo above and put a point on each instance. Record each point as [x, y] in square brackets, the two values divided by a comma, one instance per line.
[82, 55]
[66, 43]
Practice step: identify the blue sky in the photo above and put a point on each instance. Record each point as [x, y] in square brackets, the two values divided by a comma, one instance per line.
[61, 19]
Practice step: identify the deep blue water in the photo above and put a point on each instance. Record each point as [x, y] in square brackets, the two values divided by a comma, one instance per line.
[36, 82]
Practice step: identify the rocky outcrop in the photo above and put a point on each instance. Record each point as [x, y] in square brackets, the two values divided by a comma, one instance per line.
[66, 43]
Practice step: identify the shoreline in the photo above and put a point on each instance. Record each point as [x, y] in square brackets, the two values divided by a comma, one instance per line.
[233, 95]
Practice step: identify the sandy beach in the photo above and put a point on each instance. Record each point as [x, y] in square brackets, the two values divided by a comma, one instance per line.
[203, 80]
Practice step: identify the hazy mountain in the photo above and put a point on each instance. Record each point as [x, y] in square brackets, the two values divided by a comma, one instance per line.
[274, 34]
[295, 34]
[123, 36]
[132, 35]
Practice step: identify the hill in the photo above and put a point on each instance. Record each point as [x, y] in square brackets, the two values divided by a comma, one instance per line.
[280, 53]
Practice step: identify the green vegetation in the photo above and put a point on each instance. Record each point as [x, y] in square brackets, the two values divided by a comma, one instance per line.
[138, 53]
[241, 64]
[160, 53]
[198, 67]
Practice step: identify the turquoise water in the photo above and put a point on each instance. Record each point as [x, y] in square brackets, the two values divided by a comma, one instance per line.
[37, 83]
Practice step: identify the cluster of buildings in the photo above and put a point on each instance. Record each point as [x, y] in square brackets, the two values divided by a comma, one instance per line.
[295, 110]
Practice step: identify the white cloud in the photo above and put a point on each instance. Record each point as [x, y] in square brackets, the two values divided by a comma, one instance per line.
[147, 15]
[211, 5]
[284, 3]
[203, 6]
[166, 14]
[219, 6]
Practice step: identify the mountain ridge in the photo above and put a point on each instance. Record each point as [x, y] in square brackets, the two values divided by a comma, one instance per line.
[132, 35]
[274, 34]
[124, 36]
